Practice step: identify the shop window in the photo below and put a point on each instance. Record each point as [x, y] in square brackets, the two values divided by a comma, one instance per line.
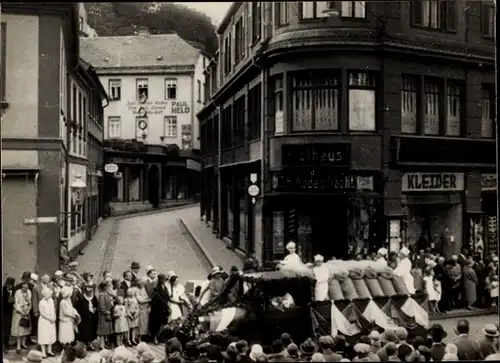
[409, 105]
[278, 105]
[278, 234]
[432, 107]
[487, 113]
[360, 218]
[353, 9]
[362, 116]
[142, 88]
[315, 101]
[239, 122]
[242, 212]
[280, 13]
[453, 107]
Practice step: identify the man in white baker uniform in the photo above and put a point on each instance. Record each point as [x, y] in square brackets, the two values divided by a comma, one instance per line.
[404, 270]
[381, 258]
[292, 259]
[322, 274]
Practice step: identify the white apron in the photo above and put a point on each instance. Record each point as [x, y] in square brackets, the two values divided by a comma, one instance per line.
[404, 271]
[322, 275]
[292, 260]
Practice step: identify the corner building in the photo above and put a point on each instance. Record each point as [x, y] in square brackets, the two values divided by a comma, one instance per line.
[368, 129]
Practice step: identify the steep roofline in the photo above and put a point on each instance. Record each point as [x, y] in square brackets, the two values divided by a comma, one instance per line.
[90, 73]
[227, 18]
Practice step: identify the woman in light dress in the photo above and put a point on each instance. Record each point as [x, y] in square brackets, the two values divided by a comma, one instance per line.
[68, 317]
[292, 259]
[22, 308]
[179, 302]
[322, 274]
[144, 307]
[430, 289]
[47, 323]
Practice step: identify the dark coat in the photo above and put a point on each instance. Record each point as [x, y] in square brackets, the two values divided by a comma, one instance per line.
[149, 286]
[160, 311]
[487, 347]
[468, 349]
[122, 289]
[470, 285]
[438, 351]
[7, 310]
[87, 329]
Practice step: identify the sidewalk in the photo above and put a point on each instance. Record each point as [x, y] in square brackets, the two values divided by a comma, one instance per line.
[213, 248]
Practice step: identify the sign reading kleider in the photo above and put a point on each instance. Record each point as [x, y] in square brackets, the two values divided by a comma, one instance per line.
[432, 182]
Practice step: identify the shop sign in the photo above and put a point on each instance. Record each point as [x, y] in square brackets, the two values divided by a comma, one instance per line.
[313, 180]
[193, 165]
[179, 107]
[432, 182]
[125, 160]
[338, 154]
[488, 182]
[145, 107]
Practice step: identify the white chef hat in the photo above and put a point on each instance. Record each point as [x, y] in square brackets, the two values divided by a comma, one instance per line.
[382, 251]
[34, 277]
[318, 258]
[290, 245]
[58, 273]
[405, 251]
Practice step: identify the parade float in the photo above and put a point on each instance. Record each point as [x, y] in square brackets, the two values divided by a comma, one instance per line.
[362, 295]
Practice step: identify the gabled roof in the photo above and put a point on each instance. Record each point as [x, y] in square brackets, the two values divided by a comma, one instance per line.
[162, 50]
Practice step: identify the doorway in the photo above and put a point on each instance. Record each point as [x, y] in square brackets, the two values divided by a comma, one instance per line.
[154, 186]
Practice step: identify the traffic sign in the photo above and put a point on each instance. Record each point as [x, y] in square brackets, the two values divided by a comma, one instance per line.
[253, 190]
[110, 168]
[253, 178]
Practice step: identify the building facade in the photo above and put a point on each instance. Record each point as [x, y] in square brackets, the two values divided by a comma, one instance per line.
[150, 128]
[38, 147]
[85, 30]
[353, 141]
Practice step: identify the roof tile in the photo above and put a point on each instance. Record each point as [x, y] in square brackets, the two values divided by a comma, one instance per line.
[138, 51]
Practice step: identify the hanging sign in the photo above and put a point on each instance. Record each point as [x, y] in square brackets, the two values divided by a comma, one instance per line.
[432, 182]
[110, 168]
[253, 190]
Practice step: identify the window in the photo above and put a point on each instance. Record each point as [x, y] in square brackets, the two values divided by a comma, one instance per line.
[315, 98]
[409, 105]
[488, 19]
[227, 54]
[278, 105]
[239, 122]
[280, 13]
[254, 112]
[115, 89]
[353, 9]
[434, 14]
[142, 88]
[239, 41]
[141, 127]
[74, 104]
[432, 108]
[114, 127]
[81, 23]
[488, 112]
[361, 95]
[226, 127]
[3, 60]
[313, 9]
[256, 21]
[171, 88]
[199, 90]
[80, 110]
[170, 126]
[453, 115]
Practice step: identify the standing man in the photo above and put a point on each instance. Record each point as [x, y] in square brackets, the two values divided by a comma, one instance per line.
[125, 284]
[135, 267]
[455, 278]
[73, 269]
[150, 280]
[468, 349]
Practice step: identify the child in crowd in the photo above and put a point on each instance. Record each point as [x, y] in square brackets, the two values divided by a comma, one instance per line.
[430, 289]
[132, 308]
[494, 287]
[121, 323]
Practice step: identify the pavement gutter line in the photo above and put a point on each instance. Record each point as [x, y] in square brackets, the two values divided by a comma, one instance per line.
[200, 245]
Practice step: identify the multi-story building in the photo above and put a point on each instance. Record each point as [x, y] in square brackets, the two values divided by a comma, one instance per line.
[155, 84]
[85, 30]
[43, 138]
[363, 124]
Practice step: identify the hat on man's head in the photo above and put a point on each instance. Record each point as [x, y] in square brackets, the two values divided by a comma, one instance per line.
[73, 264]
[308, 347]
[319, 258]
[438, 328]
[490, 330]
[135, 265]
[401, 332]
[234, 269]
[290, 245]
[216, 270]
[382, 252]
[389, 336]
[292, 349]
[34, 277]
[58, 273]
[326, 340]
[34, 356]
[26, 275]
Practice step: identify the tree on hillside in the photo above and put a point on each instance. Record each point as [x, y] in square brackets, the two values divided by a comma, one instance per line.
[161, 18]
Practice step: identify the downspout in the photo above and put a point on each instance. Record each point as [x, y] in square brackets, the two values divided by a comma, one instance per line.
[37, 205]
[263, 157]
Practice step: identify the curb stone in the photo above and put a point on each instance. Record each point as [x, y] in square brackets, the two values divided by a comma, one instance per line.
[200, 245]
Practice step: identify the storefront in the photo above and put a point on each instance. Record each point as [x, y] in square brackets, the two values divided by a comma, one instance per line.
[485, 228]
[322, 205]
[434, 206]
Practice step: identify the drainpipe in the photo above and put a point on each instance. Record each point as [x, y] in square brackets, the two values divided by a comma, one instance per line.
[219, 181]
[263, 155]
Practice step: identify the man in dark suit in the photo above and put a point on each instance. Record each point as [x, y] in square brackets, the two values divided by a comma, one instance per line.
[125, 284]
[438, 348]
[468, 349]
[135, 267]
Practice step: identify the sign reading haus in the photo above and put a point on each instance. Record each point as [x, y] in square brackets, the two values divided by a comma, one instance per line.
[432, 182]
[338, 154]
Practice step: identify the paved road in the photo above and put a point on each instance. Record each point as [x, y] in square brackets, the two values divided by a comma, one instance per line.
[160, 241]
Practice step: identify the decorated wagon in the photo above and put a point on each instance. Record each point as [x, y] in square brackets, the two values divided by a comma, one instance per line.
[362, 296]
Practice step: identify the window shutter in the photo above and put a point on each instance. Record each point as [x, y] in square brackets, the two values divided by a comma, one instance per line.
[416, 13]
[485, 19]
[451, 15]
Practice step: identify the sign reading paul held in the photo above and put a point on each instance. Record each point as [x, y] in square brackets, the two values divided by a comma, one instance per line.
[432, 182]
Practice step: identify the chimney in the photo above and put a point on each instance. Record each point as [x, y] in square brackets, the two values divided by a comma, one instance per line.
[143, 31]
